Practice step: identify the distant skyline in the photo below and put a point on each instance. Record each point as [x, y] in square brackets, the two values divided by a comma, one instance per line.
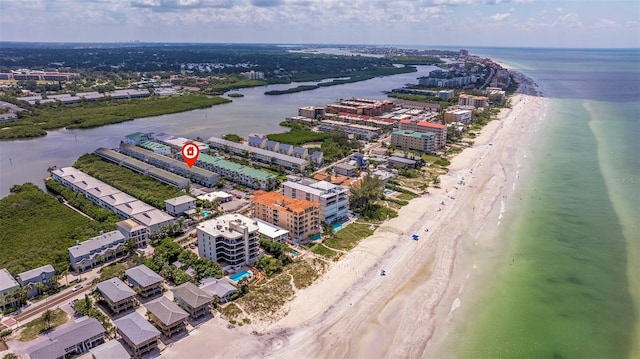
[509, 23]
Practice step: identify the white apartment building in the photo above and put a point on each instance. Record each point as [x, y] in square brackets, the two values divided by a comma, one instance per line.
[232, 240]
[334, 200]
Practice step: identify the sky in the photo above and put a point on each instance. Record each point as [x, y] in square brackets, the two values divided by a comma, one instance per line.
[509, 23]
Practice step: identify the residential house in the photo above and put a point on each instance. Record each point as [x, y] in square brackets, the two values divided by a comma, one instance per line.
[110, 350]
[144, 281]
[154, 219]
[193, 299]
[35, 277]
[344, 169]
[8, 288]
[232, 240]
[117, 294]
[167, 316]
[137, 333]
[218, 287]
[179, 205]
[300, 217]
[69, 340]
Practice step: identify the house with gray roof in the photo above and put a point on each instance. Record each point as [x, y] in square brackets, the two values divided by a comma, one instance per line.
[285, 149]
[8, 286]
[267, 155]
[344, 169]
[137, 333]
[192, 299]
[272, 146]
[145, 281]
[167, 316]
[316, 158]
[218, 287]
[31, 278]
[256, 141]
[69, 339]
[300, 152]
[105, 247]
[154, 219]
[117, 294]
[112, 349]
[179, 205]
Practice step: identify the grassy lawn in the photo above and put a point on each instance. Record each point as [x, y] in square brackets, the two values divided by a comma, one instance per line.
[37, 326]
[348, 237]
[100, 113]
[264, 301]
[405, 196]
[326, 252]
[137, 185]
[305, 272]
[35, 230]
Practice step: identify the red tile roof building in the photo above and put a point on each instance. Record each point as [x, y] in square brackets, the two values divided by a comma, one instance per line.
[300, 217]
[440, 131]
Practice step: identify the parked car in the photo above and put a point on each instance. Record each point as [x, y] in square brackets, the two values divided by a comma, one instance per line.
[76, 287]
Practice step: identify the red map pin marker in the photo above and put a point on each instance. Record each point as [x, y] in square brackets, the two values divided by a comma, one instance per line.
[190, 153]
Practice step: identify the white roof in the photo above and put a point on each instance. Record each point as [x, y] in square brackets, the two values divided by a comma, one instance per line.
[270, 230]
[152, 217]
[6, 280]
[176, 201]
[214, 196]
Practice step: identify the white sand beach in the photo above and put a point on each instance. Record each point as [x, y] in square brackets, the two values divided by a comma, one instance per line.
[354, 312]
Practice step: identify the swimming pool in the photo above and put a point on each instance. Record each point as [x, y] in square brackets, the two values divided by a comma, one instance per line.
[205, 214]
[337, 227]
[388, 191]
[294, 252]
[240, 276]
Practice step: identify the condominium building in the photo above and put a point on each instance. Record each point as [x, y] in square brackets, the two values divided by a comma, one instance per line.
[8, 286]
[440, 131]
[360, 131]
[179, 205]
[412, 140]
[262, 155]
[134, 230]
[457, 115]
[333, 200]
[261, 141]
[103, 248]
[118, 296]
[300, 217]
[195, 174]
[156, 147]
[475, 101]
[31, 278]
[232, 240]
[237, 173]
[138, 333]
[313, 112]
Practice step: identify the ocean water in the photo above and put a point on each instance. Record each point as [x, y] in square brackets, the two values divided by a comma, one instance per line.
[571, 285]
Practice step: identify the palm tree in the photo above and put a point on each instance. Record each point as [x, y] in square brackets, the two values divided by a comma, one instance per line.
[47, 316]
[111, 252]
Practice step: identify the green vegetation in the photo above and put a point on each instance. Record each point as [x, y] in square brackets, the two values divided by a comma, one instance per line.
[230, 311]
[49, 319]
[114, 270]
[359, 76]
[86, 307]
[80, 202]
[100, 113]
[278, 259]
[169, 251]
[232, 83]
[324, 251]
[298, 135]
[338, 145]
[427, 99]
[305, 272]
[347, 238]
[265, 300]
[232, 137]
[135, 184]
[33, 222]
[363, 198]
[416, 60]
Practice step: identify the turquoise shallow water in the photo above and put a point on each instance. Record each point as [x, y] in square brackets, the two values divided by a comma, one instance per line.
[570, 286]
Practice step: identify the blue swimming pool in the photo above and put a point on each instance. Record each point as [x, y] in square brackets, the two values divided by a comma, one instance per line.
[205, 214]
[388, 191]
[337, 227]
[240, 276]
[294, 252]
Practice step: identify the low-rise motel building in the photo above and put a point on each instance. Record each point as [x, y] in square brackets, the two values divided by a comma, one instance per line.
[261, 155]
[117, 294]
[94, 251]
[180, 205]
[139, 335]
[300, 217]
[232, 240]
[237, 173]
[69, 340]
[145, 282]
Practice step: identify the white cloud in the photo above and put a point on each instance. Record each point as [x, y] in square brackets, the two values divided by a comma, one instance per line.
[569, 20]
[606, 23]
[501, 16]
